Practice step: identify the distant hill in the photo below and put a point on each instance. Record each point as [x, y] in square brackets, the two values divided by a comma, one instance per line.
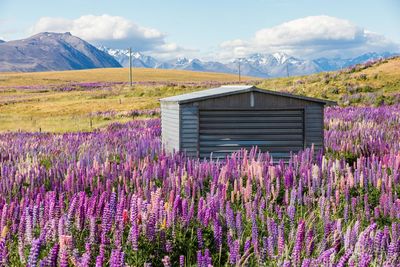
[371, 83]
[256, 65]
[52, 51]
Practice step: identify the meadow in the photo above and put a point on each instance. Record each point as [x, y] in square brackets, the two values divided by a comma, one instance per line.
[71, 101]
[113, 197]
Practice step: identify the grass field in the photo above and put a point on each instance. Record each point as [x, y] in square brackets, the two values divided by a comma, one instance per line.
[70, 100]
[112, 75]
[66, 101]
[361, 85]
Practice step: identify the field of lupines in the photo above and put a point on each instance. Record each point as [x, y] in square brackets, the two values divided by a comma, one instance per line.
[112, 197]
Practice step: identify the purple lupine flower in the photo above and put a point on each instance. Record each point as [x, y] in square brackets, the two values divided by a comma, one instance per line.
[200, 238]
[254, 230]
[239, 227]
[134, 236]
[199, 258]
[343, 260]
[34, 253]
[270, 246]
[247, 245]
[53, 255]
[365, 260]
[299, 242]
[217, 234]
[168, 246]
[181, 261]
[310, 242]
[117, 258]
[207, 261]
[234, 256]
[291, 212]
[150, 230]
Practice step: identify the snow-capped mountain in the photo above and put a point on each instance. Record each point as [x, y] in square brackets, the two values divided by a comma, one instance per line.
[49, 51]
[258, 65]
[138, 59]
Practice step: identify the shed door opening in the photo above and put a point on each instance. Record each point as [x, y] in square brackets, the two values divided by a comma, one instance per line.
[225, 131]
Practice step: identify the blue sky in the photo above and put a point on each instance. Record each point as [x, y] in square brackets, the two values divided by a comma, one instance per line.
[218, 28]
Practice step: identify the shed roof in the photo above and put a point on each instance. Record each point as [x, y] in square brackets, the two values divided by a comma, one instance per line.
[235, 89]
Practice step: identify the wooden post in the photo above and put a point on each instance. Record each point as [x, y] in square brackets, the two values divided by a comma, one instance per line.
[130, 66]
[239, 70]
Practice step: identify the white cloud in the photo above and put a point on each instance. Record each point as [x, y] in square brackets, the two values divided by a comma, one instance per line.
[312, 36]
[112, 31]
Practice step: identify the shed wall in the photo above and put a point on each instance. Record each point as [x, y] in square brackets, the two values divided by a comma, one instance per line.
[314, 125]
[170, 125]
[190, 130]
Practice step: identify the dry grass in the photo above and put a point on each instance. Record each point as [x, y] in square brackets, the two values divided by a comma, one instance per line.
[43, 108]
[360, 87]
[112, 75]
[55, 111]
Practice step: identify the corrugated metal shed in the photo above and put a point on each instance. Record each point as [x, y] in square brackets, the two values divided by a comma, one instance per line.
[234, 89]
[222, 120]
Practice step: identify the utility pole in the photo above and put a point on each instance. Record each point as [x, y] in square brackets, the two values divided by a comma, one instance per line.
[287, 70]
[130, 66]
[239, 69]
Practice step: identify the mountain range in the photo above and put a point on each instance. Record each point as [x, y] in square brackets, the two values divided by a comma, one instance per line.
[258, 65]
[50, 51]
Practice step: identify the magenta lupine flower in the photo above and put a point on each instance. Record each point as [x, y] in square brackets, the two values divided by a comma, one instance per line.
[100, 257]
[64, 258]
[3, 248]
[281, 239]
[181, 261]
[306, 263]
